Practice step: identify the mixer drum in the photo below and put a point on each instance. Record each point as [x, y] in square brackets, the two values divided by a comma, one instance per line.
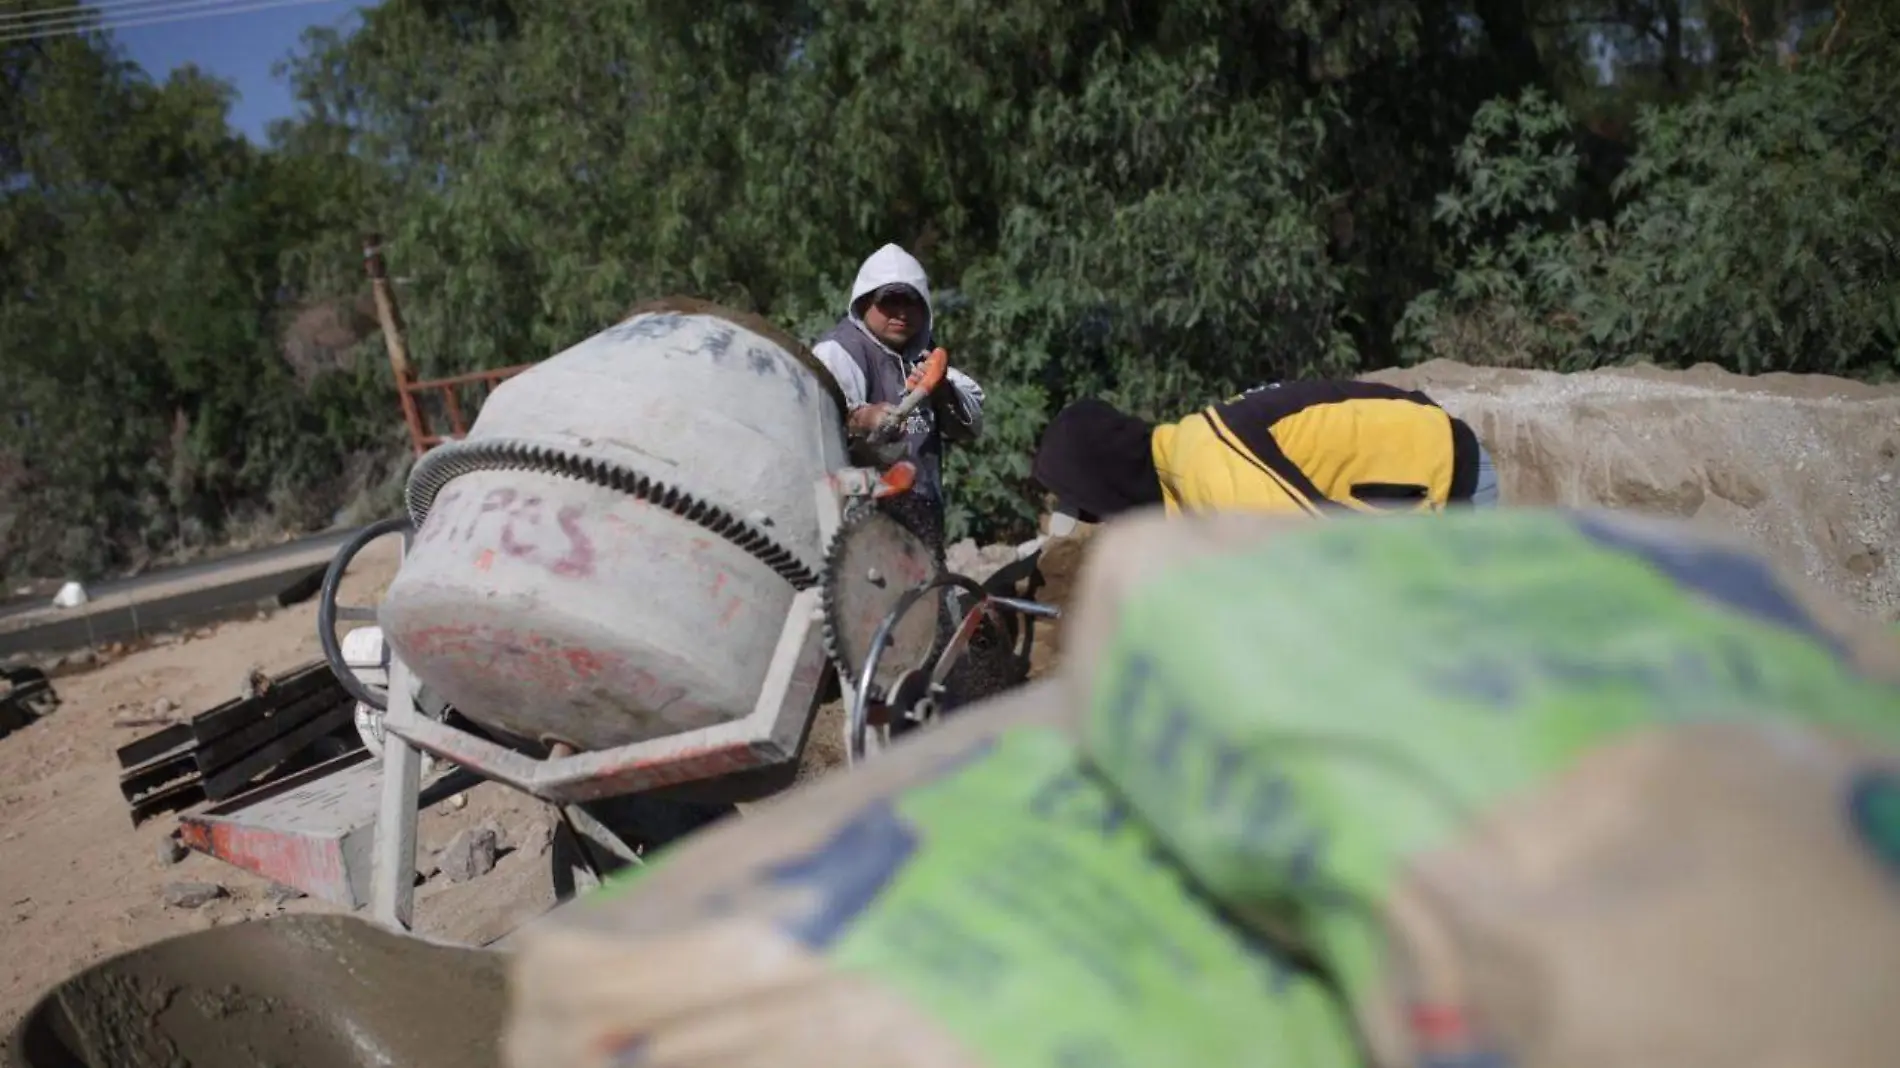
[610, 555]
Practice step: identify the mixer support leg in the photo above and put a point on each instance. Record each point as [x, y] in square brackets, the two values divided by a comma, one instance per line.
[393, 875]
[597, 840]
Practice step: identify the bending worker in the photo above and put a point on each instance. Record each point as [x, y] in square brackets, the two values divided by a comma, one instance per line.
[1311, 447]
[873, 351]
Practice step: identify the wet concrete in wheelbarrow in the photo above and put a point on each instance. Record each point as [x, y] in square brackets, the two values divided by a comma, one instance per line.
[290, 992]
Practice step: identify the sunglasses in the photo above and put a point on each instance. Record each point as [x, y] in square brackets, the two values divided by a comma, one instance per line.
[897, 298]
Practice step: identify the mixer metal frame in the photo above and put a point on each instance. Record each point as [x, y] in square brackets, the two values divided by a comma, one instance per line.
[791, 684]
[786, 706]
[735, 761]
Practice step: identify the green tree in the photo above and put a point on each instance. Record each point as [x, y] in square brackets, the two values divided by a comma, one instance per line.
[1758, 228]
[141, 242]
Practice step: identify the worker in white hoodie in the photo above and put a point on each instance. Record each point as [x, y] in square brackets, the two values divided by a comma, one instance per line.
[872, 352]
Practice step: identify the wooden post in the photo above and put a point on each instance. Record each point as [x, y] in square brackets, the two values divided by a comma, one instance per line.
[393, 338]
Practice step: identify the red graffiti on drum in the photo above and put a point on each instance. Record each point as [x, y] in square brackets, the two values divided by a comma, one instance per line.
[520, 657]
[524, 527]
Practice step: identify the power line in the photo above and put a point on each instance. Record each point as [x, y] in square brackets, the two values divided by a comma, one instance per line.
[70, 25]
[123, 14]
[85, 11]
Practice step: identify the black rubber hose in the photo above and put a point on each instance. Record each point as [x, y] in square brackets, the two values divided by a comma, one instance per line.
[326, 609]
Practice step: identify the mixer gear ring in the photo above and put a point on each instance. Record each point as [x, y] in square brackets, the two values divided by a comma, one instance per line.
[445, 463]
[869, 566]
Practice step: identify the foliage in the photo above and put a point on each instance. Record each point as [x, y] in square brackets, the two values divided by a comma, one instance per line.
[1155, 202]
[1167, 222]
[1758, 227]
[1521, 263]
[149, 410]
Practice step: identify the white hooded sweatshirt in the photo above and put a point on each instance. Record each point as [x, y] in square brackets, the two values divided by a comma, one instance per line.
[891, 265]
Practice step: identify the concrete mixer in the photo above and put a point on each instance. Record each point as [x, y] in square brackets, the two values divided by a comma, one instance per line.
[633, 578]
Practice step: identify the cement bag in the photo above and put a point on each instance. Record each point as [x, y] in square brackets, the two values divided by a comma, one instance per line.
[973, 898]
[1539, 789]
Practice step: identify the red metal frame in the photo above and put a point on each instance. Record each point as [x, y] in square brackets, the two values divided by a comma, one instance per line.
[421, 434]
[771, 735]
[312, 861]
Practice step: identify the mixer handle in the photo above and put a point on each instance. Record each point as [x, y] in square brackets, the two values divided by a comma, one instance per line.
[920, 385]
[928, 375]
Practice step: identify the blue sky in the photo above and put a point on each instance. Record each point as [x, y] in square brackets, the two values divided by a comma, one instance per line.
[239, 47]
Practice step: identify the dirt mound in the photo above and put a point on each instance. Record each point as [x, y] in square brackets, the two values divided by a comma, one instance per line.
[1804, 465]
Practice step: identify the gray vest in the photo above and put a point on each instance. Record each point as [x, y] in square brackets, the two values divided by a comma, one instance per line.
[884, 384]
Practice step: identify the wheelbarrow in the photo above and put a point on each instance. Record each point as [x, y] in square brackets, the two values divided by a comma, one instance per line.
[301, 991]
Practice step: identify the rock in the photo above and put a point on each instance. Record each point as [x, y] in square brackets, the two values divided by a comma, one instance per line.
[256, 682]
[979, 563]
[192, 895]
[171, 850]
[280, 894]
[502, 844]
[1735, 485]
[164, 706]
[961, 555]
[537, 837]
[470, 854]
[458, 802]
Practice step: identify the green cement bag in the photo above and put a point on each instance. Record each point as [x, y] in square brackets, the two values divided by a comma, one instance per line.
[974, 899]
[1308, 716]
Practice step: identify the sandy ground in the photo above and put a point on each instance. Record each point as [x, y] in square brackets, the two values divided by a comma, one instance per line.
[79, 883]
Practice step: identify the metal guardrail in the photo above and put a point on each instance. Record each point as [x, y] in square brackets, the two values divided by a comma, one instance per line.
[448, 391]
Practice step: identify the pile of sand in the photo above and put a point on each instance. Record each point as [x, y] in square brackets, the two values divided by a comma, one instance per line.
[1803, 465]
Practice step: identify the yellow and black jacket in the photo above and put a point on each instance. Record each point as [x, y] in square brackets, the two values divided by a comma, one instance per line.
[1314, 447]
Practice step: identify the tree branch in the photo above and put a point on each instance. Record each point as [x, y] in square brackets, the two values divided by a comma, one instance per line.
[1739, 9]
[1840, 19]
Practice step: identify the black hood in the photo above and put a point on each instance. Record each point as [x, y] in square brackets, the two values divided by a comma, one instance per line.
[1098, 460]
